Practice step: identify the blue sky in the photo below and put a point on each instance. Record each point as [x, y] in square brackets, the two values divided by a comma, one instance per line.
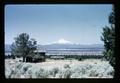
[48, 23]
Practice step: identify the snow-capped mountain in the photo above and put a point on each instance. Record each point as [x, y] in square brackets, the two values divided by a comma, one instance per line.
[62, 41]
[63, 44]
[69, 46]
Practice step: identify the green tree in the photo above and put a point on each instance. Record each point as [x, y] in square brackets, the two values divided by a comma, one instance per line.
[108, 37]
[23, 46]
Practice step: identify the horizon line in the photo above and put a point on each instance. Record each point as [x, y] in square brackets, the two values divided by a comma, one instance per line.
[66, 44]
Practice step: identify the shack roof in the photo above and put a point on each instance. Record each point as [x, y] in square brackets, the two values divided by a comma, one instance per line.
[42, 50]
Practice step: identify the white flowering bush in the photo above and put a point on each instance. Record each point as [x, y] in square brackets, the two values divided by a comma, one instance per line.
[80, 69]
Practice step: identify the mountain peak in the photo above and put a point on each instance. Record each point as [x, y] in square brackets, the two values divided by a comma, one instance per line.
[62, 41]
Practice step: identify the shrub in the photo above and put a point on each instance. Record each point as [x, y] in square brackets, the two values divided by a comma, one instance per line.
[42, 73]
[54, 71]
[66, 66]
[67, 73]
[25, 68]
[79, 59]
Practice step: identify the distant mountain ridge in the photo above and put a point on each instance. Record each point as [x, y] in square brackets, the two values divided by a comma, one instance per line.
[69, 46]
[7, 48]
[61, 46]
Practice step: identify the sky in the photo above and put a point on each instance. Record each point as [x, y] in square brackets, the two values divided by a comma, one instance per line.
[57, 23]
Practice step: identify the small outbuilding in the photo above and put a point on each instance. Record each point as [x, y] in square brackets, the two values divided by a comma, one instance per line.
[37, 56]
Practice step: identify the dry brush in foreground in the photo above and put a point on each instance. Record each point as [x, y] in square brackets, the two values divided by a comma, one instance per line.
[59, 69]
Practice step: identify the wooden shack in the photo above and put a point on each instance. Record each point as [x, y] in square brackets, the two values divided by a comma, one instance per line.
[37, 56]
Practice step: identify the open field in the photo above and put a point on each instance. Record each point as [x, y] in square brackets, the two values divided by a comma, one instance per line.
[89, 68]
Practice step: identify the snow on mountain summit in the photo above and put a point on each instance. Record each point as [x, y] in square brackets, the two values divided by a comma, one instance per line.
[63, 41]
